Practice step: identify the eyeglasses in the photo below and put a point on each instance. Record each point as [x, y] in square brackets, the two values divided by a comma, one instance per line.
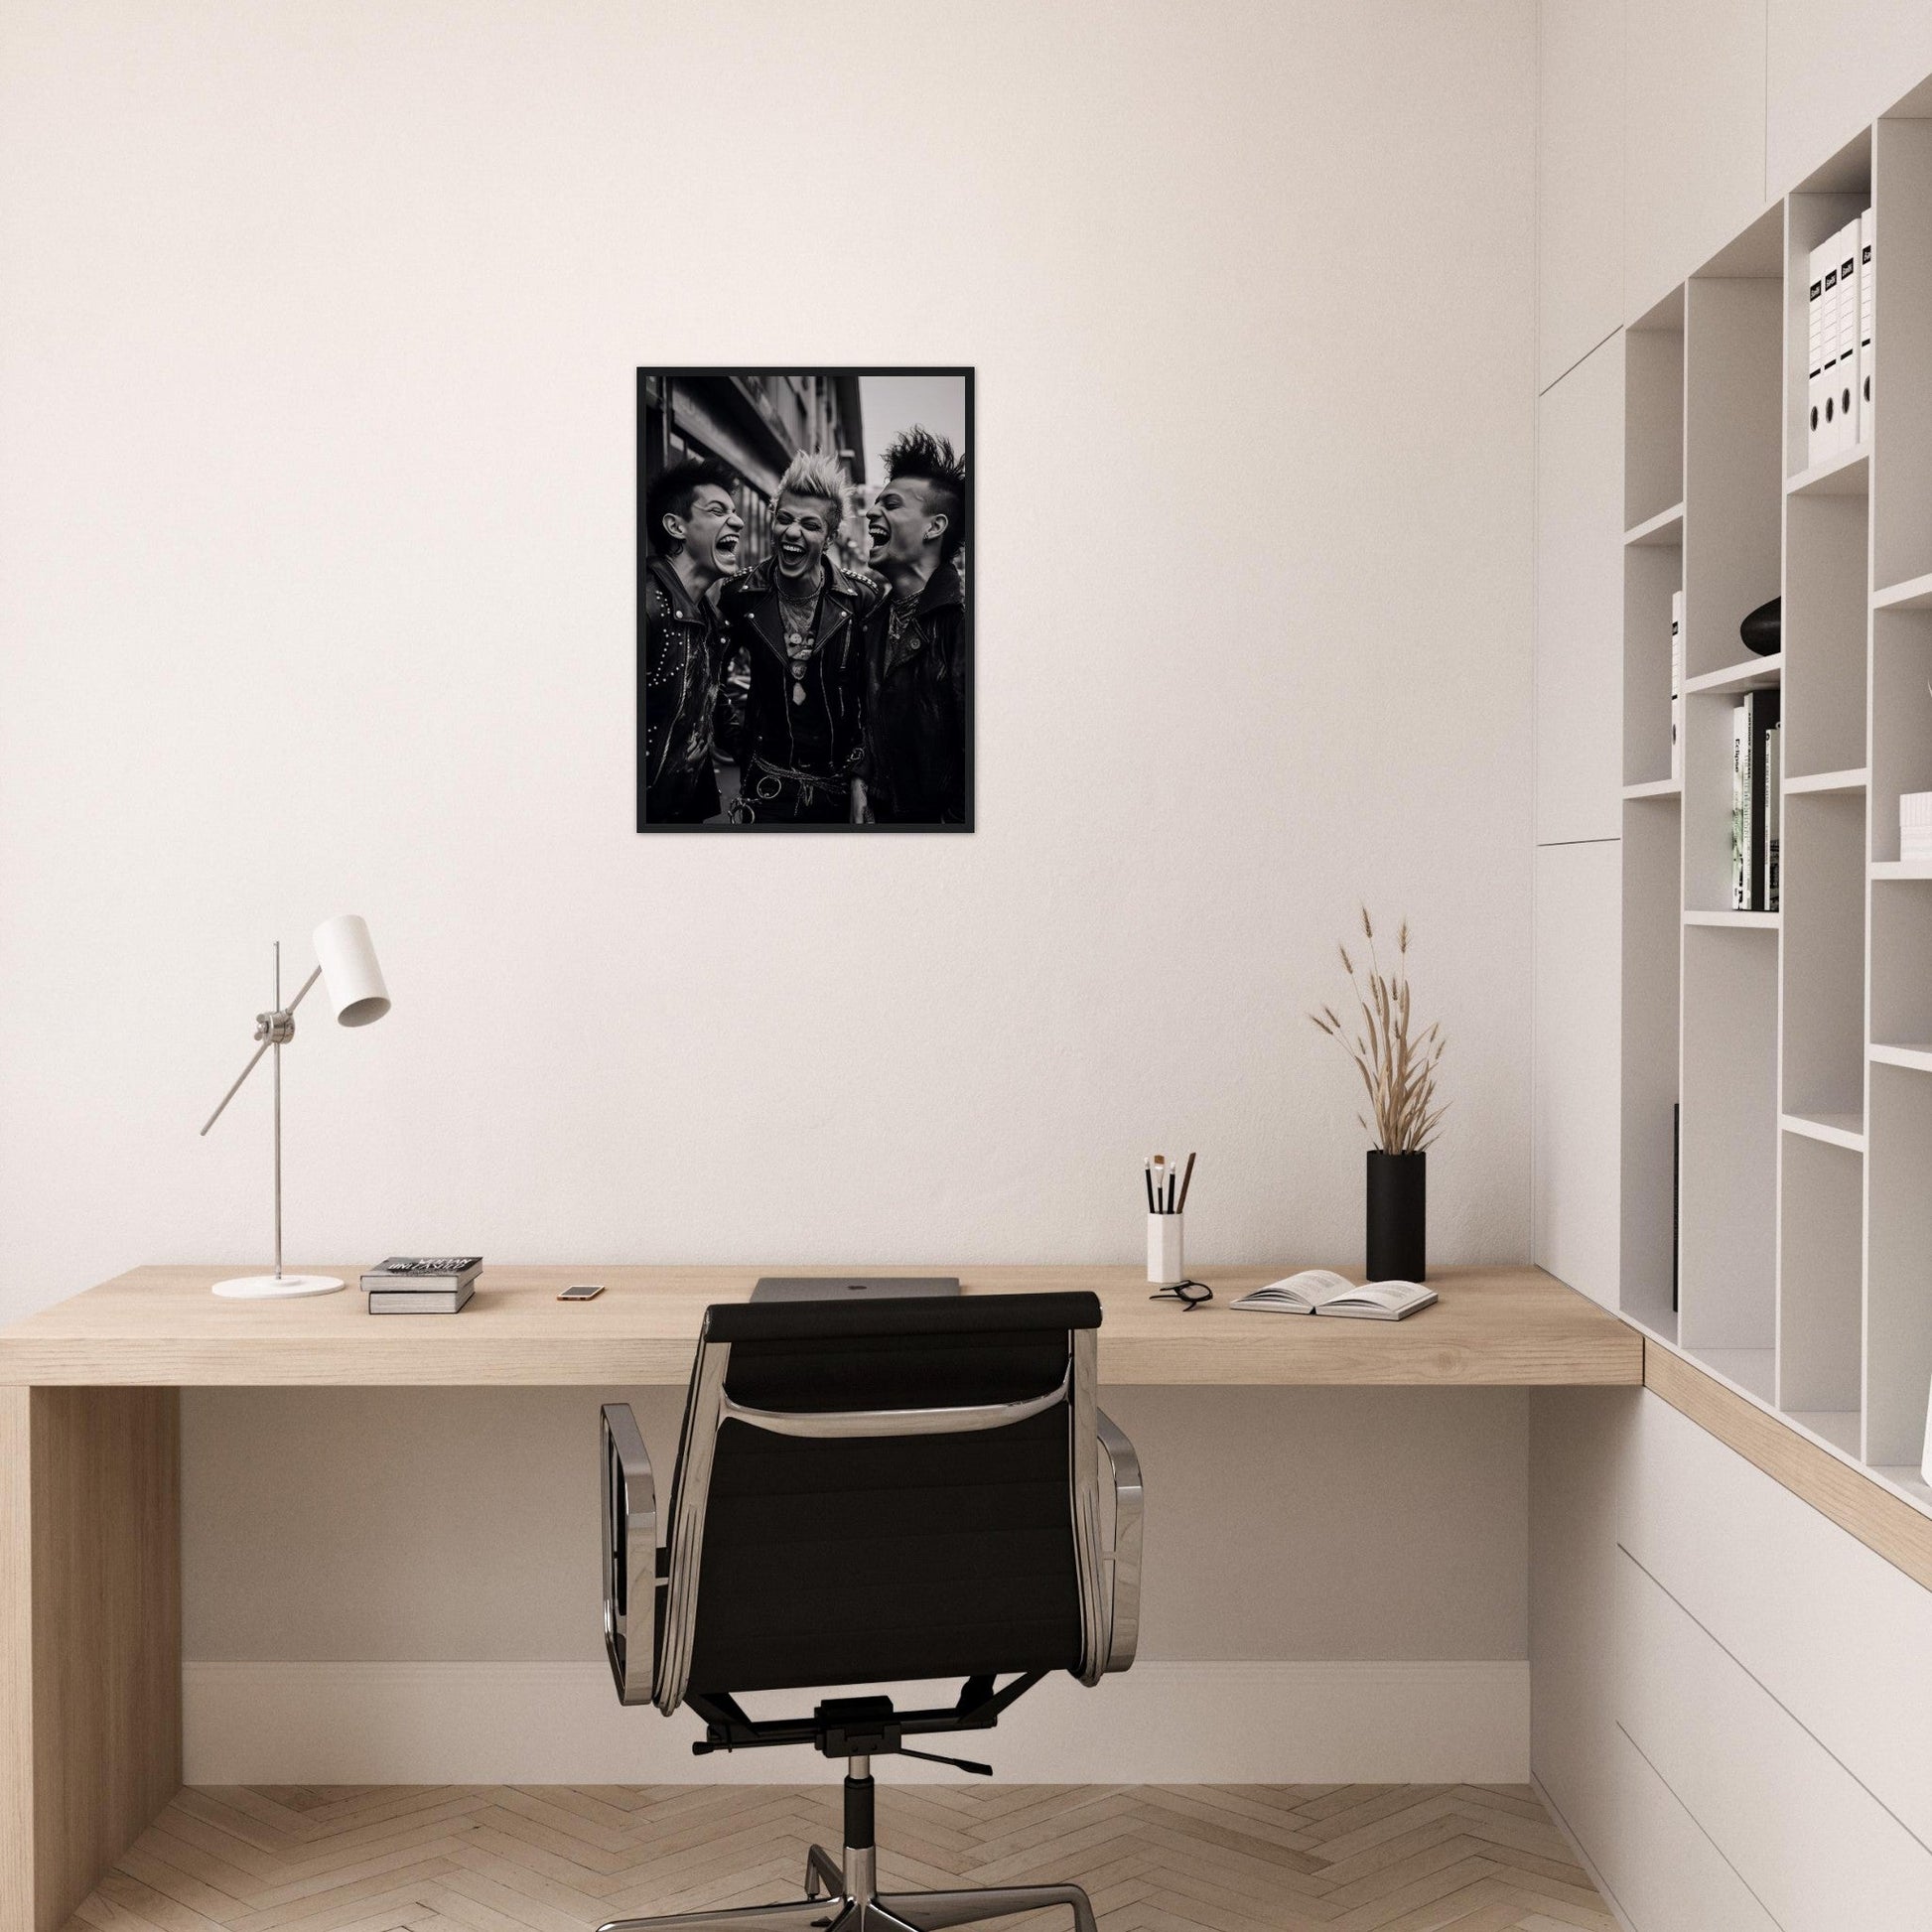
[1190, 1295]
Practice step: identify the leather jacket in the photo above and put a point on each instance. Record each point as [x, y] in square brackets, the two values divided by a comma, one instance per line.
[822, 735]
[677, 688]
[915, 707]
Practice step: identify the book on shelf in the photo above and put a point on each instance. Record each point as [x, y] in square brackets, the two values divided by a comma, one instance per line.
[1320, 1290]
[1773, 811]
[1753, 818]
[1741, 810]
[420, 1300]
[1677, 686]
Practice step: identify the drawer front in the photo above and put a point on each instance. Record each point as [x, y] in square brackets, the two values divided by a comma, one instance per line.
[1840, 1639]
[1811, 1843]
[1666, 1874]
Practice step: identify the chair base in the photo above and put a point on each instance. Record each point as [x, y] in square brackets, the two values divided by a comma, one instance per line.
[848, 1904]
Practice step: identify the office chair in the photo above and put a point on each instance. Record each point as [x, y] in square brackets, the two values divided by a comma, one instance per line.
[871, 1495]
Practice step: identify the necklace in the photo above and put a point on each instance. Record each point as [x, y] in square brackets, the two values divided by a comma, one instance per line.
[800, 619]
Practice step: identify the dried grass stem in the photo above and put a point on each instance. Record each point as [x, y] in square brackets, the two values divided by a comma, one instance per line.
[1398, 1066]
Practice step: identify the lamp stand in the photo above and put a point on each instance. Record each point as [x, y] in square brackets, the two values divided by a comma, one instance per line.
[274, 1028]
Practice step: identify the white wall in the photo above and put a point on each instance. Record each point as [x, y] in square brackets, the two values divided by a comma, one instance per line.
[315, 453]
[316, 485]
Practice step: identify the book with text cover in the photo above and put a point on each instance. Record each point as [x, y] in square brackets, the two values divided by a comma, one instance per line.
[1320, 1290]
[419, 1274]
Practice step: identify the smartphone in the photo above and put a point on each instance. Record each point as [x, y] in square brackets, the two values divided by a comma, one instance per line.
[582, 1291]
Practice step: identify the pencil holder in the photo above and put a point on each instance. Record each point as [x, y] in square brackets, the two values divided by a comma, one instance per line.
[1164, 1265]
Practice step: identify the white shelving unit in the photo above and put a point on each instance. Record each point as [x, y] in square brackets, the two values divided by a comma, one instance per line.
[1797, 1043]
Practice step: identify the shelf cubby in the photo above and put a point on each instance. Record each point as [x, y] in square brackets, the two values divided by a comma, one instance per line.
[1651, 574]
[1734, 476]
[1901, 400]
[1898, 1291]
[1728, 1216]
[1902, 963]
[1821, 1218]
[1837, 193]
[1652, 853]
[1825, 612]
[1901, 718]
[1653, 419]
[1707, 731]
[1822, 916]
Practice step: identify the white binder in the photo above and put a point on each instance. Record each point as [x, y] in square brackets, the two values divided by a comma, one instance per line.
[1827, 420]
[1867, 299]
[1847, 390]
[1677, 685]
[1815, 357]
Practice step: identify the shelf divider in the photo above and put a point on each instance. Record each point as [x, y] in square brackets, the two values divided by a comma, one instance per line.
[1846, 475]
[1754, 674]
[1665, 530]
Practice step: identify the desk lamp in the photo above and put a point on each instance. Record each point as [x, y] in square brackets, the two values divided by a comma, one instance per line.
[346, 965]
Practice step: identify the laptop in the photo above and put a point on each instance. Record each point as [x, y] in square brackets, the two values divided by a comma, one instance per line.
[848, 1288]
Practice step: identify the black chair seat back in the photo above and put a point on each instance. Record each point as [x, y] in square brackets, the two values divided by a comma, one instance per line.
[875, 1557]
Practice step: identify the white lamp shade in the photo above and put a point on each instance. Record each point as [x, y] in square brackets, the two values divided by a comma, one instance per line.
[349, 975]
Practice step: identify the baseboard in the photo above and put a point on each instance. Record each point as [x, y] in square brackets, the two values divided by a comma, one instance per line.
[561, 1724]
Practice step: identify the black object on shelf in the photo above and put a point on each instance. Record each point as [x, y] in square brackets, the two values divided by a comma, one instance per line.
[1763, 631]
[1398, 1215]
[1676, 1193]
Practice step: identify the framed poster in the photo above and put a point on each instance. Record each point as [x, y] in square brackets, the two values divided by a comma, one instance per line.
[804, 600]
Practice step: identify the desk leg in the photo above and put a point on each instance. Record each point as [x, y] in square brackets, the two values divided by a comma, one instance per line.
[90, 1637]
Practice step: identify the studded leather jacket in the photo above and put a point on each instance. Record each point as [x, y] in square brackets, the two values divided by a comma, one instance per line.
[916, 705]
[812, 723]
[677, 687]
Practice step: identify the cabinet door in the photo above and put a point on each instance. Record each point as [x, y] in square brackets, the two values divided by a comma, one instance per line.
[1579, 753]
[1830, 69]
[1693, 137]
[1574, 1114]
[1578, 181]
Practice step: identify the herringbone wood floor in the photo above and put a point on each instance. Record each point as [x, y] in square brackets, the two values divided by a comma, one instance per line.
[559, 1859]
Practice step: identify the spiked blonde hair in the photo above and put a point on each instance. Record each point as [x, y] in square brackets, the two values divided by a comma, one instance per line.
[811, 474]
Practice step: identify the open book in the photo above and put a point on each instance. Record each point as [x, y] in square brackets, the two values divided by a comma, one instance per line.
[1319, 1291]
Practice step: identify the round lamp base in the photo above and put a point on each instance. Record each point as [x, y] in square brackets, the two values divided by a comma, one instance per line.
[270, 1287]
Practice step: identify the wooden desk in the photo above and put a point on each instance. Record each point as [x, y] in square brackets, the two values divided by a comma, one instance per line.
[161, 1327]
[89, 1461]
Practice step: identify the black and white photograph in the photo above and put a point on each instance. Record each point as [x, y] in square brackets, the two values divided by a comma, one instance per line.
[804, 600]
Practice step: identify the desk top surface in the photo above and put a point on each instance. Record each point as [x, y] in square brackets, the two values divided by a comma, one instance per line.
[160, 1326]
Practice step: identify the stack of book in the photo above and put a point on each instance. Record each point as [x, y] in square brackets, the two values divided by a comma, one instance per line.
[421, 1284]
[1754, 803]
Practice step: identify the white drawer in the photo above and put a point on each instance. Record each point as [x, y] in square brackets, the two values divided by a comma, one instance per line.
[1813, 1845]
[1837, 1635]
[1665, 1872]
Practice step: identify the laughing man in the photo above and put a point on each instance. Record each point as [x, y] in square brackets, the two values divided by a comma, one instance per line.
[799, 615]
[693, 528]
[916, 638]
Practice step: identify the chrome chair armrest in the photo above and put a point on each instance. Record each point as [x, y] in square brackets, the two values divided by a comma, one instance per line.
[1124, 1558]
[629, 1555]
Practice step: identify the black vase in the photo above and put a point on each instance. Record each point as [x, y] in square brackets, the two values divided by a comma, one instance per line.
[1398, 1215]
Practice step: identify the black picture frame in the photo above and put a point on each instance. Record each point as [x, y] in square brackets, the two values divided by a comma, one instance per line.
[656, 420]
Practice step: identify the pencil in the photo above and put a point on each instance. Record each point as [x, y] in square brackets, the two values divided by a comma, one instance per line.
[1148, 1178]
[1186, 1181]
